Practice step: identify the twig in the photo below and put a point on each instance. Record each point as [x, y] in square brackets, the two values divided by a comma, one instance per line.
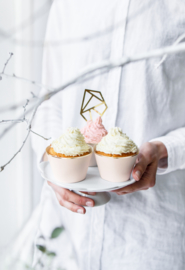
[6, 63]
[15, 106]
[12, 120]
[28, 81]
[33, 95]
[175, 43]
[3, 167]
[23, 119]
[24, 113]
[23, 79]
[26, 137]
[40, 135]
[3, 133]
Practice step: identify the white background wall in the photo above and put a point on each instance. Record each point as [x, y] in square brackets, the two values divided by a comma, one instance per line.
[20, 183]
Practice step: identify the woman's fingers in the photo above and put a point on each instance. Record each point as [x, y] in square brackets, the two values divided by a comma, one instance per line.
[147, 181]
[74, 208]
[140, 167]
[149, 176]
[70, 206]
[69, 196]
[77, 199]
[130, 188]
[145, 169]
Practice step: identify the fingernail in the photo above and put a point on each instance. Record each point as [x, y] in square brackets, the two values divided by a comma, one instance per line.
[138, 174]
[89, 203]
[80, 211]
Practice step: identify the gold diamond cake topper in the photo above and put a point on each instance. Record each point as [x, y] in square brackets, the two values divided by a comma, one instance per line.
[93, 95]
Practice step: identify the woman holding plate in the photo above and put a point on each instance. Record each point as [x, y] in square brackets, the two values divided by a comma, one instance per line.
[142, 227]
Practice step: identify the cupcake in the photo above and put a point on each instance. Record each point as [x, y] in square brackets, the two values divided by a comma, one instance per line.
[116, 155]
[69, 144]
[116, 144]
[93, 132]
[69, 156]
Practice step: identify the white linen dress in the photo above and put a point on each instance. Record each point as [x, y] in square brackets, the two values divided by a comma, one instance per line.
[146, 229]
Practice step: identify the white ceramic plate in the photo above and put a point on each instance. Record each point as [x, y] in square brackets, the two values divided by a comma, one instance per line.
[93, 181]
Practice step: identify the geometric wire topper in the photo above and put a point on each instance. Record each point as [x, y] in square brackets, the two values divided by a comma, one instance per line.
[93, 94]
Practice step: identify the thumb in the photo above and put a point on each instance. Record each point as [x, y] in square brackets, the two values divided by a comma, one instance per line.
[140, 168]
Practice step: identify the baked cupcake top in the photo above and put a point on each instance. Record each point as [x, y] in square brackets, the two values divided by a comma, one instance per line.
[94, 131]
[116, 142]
[71, 143]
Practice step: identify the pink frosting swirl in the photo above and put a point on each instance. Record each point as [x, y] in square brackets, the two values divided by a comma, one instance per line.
[94, 131]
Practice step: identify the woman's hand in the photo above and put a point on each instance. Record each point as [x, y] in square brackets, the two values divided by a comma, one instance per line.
[70, 200]
[146, 166]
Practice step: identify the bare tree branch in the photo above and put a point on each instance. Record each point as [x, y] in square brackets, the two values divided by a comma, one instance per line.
[105, 65]
[24, 113]
[108, 65]
[16, 106]
[175, 43]
[26, 137]
[6, 63]
[12, 120]
[2, 167]
[40, 135]
[3, 133]
[18, 120]
[23, 79]
[33, 95]
[28, 81]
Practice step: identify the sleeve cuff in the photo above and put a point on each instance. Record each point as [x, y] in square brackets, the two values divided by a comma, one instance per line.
[175, 153]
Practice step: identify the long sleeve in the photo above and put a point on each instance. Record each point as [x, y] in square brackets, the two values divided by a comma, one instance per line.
[48, 119]
[175, 145]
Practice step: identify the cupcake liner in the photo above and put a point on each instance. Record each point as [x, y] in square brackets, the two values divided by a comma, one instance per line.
[69, 170]
[115, 169]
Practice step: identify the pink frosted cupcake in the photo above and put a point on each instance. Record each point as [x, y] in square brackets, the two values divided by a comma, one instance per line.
[93, 132]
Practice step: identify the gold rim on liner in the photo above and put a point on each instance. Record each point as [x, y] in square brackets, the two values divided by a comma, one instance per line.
[115, 157]
[69, 157]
